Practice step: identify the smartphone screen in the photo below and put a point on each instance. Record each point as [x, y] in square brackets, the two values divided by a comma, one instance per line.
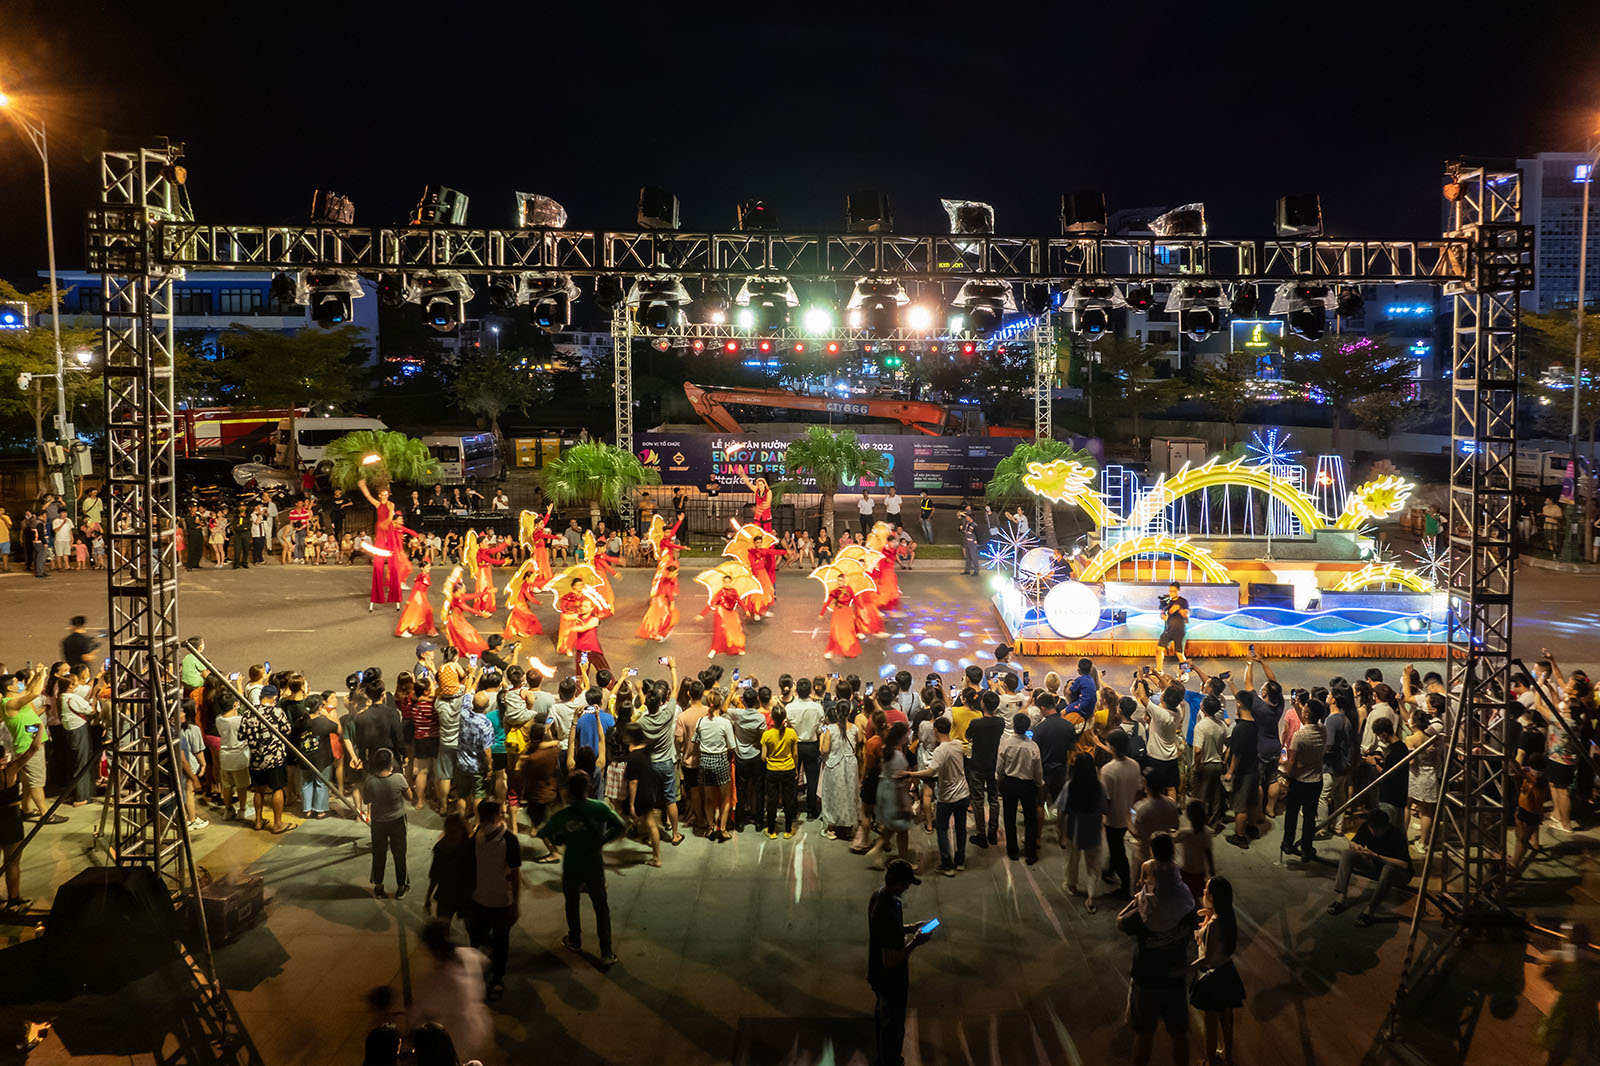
[662, 660]
[930, 925]
[473, 659]
[736, 673]
[1027, 679]
[234, 676]
[583, 657]
[632, 670]
[953, 691]
[266, 665]
[107, 664]
[869, 688]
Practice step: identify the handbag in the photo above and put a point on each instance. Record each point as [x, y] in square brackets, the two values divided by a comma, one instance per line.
[336, 745]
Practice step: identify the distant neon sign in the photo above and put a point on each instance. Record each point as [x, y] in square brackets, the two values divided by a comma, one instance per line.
[1408, 310]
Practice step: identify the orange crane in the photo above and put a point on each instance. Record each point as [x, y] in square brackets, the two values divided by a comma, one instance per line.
[933, 419]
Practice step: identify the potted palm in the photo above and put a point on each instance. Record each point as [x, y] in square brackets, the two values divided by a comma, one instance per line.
[600, 475]
[832, 457]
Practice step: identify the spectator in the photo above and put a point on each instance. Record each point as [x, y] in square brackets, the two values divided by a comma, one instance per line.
[583, 828]
[947, 769]
[263, 734]
[1083, 805]
[1162, 922]
[1378, 852]
[386, 793]
[1021, 778]
[983, 745]
[888, 958]
[864, 508]
[1120, 779]
[497, 890]
[1217, 990]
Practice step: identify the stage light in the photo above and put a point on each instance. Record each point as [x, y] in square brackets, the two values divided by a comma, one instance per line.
[919, 317]
[548, 296]
[328, 208]
[440, 206]
[698, 345]
[968, 348]
[538, 211]
[867, 211]
[712, 307]
[1246, 304]
[1140, 299]
[767, 301]
[1299, 215]
[756, 215]
[969, 216]
[608, 293]
[800, 347]
[818, 320]
[329, 294]
[876, 303]
[662, 344]
[765, 345]
[1083, 212]
[1199, 306]
[1090, 303]
[443, 295]
[1349, 302]
[1306, 307]
[395, 290]
[731, 347]
[984, 303]
[833, 347]
[658, 208]
[658, 303]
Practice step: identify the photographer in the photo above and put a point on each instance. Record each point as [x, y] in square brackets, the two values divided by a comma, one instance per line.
[1175, 618]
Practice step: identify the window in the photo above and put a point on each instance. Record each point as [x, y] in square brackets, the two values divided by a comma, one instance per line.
[91, 301]
[191, 302]
[239, 301]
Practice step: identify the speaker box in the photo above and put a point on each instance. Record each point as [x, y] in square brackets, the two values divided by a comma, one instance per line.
[1269, 595]
[867, 211]
[1083, 212]
[233, 906]
[109, 926]
[658, 208]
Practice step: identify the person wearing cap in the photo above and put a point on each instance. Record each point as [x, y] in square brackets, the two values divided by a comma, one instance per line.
[889, 956]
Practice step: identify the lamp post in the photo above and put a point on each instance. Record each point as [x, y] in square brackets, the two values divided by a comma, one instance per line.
[41, 144]
[1578, 537]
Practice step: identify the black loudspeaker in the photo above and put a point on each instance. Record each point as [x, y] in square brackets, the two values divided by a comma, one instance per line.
[658, 208]
[1299, 215]
[1267, 595]
[109, 926]
[867, 211]
[1083, 212]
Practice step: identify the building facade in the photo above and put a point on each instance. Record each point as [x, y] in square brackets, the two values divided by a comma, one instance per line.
[1552, 202]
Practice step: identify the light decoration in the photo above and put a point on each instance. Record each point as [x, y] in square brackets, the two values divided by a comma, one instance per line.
[1159, 544]
[1432, 562]
[1377, 499]
[1069, 481]
[1006, 549]
[1216, 473]
[1383, 574]
[1035, 569]
[1271, 449]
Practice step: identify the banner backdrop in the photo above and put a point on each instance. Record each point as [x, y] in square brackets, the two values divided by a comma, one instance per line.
[944, 466]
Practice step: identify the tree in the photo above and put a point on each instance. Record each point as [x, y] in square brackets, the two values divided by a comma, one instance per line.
[1339, 371]
[1006, 486]
[271, 369]
[32, 351]
[491, 383]
[400, 459]
[1547, 367]
[1229, 385]
[1384, 414]
[832, 457]
[601, 475]
[1119, 375]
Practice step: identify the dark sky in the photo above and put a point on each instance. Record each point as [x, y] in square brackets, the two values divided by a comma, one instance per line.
[1233, 104]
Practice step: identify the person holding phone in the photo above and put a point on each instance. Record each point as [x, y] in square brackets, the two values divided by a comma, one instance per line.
[889, 957]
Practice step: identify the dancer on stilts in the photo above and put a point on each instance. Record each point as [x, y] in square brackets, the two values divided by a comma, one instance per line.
[662, 615]
[387, 548]
[460, 632]
[417, 619]
[481, 562]
[761, 513]
[534, 532]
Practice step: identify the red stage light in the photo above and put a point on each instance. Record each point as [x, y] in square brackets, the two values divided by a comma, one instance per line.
[663, 344]
[902, 348]
[833, 347]
[968, 348]
[799, 346]
[766, 346]
[731, 347]
[698, 345]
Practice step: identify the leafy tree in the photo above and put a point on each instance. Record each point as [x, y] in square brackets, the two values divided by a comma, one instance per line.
[1006, 486]
[1549, 343]
[832, 457]
[1341, 371]
[32, 351]
[601, 475]
[1229, 385]
[1119, 376]
[271, 369]
[1384, 414]
[400, 459]
[491, 383]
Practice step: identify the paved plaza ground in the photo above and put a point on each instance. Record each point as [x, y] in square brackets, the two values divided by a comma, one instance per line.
[754, 951]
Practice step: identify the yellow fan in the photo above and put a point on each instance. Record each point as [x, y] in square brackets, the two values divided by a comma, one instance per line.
[852, 577]
[514, 586]
[528, 524]
[469, 551]
[867, 557]
[565, 582]
[590, 550]
[744, 582]
[745, 538]
[656, 533]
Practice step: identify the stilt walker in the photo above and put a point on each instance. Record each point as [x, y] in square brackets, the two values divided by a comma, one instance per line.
[481, 562]
[417, 618]
[390, 566]
[761, 513]
[458, 630]
[534, 532]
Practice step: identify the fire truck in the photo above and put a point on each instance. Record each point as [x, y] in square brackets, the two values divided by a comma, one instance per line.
[246, 433]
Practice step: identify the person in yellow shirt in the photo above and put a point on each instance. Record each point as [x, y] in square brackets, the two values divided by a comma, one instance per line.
[778, 746]
[963, 713]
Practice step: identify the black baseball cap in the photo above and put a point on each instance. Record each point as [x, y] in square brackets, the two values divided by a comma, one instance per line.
[901, 872]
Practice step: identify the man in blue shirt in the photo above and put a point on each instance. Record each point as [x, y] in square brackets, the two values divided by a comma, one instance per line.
[473, 757]
[1083, 691]
[593, 719]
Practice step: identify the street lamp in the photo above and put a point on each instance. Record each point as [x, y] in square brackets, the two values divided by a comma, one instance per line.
[496, 331]
[36, 134]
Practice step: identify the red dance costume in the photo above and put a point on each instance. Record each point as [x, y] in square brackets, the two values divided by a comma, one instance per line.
[463, 637]
[763, 565]
[888, 594]
[605, 568]
[540, 549]
[481, 602]
[869, 619]
[389, 571]
[842, 627]
[417, 619]
[727, 632]
[523, 622]
[662, 614]
[761, 512]
[586, 639]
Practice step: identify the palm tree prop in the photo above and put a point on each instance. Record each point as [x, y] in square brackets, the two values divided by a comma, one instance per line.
[601, 475]
[380, 456]
[1006, 485]
[832, 458]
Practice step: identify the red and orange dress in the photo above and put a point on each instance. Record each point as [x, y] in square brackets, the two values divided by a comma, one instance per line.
[481, 602]
[417, 618]
[761, 511]
[540, 551]
[461, 633]
[842, 639]
[883, 575]
[727, 632]
[389, 563]
[662, 614]
[583, 632]
[522, 622]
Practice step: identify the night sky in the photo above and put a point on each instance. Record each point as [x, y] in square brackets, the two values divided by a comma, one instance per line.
[1230, 104]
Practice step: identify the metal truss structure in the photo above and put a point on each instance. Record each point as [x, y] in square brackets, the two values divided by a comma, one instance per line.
[848, 338]
[139, 192]
[622, 333]
[1467, 848]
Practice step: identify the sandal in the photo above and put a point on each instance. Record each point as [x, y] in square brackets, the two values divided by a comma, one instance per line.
[550, 858]
[1364, 919]
[1337, 906]
[282, 829]
[1089, 905]
[676, 840]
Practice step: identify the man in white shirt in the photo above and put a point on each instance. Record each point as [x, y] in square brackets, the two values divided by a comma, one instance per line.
[805, 716]
[1210, 759]
[1156, 813]
[864, 508]
[891, 507]
[950, 794]
[1161, 738]
[1020, 772]
[1121, 780]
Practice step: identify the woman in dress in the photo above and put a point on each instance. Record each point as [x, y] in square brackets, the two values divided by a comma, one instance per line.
[521, 593]
[713, 742]
[727, 632]
[1217, 989]
[538, 544]
[662, 614]
[762, 562]
[842, 638]
[1423, 787]
[463, 637]
[583, 632]
[389, 565]
[217, 537]
[887, 596]
[1083, 807]
[417, 618]
[761, 512]
[481, 601]
[841, 774]
[893, 808]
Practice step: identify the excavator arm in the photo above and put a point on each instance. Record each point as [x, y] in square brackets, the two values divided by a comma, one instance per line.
[711, 405]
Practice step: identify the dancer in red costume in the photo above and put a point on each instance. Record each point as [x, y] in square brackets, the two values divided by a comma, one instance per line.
[417, 619]
[521, 592]
[761, 513]
[583, 631]
[727, 632]
[883, 574]
[463, 637]
[842, 638]
[390, 566]
[869, 619]
[483, 562]
[662, 615]
[536, 537]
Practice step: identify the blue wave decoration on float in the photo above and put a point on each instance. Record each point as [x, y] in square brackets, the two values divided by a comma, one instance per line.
[1282, 623]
